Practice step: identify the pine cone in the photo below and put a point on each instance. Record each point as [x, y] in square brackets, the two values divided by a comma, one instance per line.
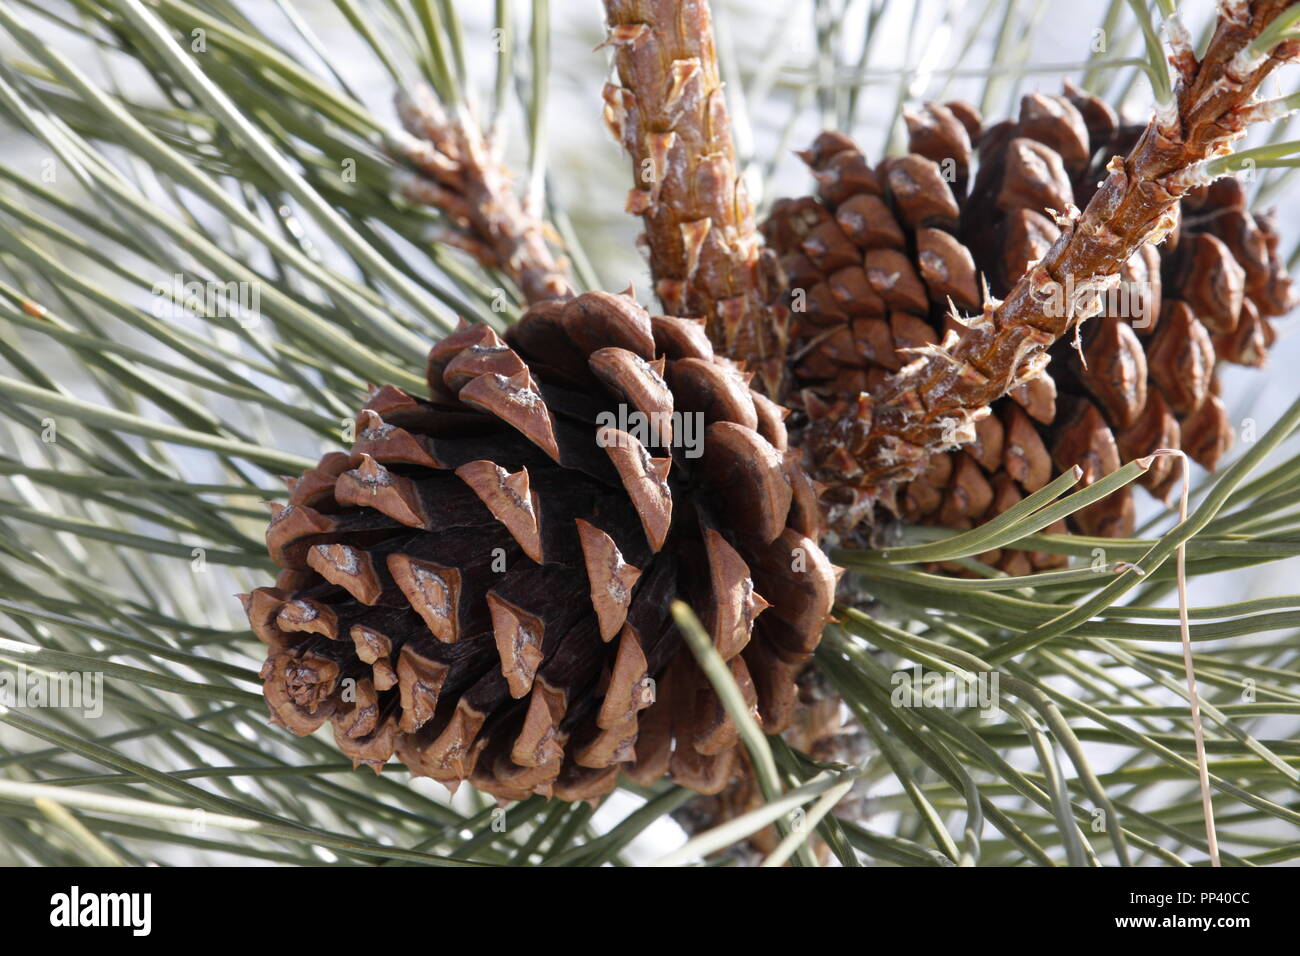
[876, 263]
[482, 586]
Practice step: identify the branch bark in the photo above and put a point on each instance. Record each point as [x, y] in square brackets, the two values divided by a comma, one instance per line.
[670, 114]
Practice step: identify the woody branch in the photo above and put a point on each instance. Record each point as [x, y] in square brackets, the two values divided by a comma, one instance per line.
[669, 113]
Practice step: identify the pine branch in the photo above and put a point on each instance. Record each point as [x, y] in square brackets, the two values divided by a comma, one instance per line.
[933, 403]
[83, 585]
[671, 117]
[460, 175]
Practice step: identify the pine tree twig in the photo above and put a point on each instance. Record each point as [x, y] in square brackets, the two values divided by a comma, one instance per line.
[669, 113]
[933, 403]
[457, 172]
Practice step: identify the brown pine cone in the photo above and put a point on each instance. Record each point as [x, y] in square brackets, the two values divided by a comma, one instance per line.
[877, 261]
[482, 585]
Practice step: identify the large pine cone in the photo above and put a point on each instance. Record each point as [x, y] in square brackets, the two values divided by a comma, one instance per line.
[878, 259]
[482, 585]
